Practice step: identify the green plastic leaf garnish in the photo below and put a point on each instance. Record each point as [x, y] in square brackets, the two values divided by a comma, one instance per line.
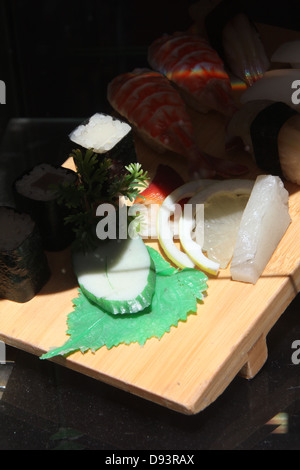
[176, 296]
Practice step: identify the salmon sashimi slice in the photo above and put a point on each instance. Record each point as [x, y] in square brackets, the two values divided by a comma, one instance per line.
[158, 114]
[196, 69]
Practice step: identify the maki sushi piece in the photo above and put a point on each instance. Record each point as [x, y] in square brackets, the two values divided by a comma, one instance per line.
[35, 194]
[270, 132]
[24, 266]
[108, 136]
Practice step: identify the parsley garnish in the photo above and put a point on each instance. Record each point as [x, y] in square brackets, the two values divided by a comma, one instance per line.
[99, 180]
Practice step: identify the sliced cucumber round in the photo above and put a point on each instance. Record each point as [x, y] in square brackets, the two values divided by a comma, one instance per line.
[119, 275]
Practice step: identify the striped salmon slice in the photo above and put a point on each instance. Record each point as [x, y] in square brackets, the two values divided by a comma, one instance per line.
[196, 69]
[155, 109]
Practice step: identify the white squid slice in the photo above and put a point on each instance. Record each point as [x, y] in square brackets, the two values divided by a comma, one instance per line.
[244, 50]
[264, 222]
[288, 53]
[276, 85]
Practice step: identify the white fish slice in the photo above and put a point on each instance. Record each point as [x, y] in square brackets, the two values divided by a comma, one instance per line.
[275, 85]
[288, 53]
[244, 50]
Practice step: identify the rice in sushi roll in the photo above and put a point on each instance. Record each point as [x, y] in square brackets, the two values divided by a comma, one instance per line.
[34, 195]
[107, 136]
[24, 266]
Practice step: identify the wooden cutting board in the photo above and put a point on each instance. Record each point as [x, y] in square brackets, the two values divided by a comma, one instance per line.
[193, 364]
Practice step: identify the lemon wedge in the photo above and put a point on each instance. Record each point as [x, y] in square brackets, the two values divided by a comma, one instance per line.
[222, 215]
[167, 209]
[223, 203]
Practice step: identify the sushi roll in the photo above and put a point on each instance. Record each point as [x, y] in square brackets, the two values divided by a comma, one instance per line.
[34, 195]
[270, 132]
[24, 266]
[107, 136]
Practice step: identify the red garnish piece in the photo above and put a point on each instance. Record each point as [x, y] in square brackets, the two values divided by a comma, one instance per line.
[164, 182]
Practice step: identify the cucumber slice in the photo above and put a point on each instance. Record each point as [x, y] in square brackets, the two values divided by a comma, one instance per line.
[119, 275]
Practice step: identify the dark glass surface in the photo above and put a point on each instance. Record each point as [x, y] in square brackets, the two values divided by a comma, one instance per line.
[56, 58]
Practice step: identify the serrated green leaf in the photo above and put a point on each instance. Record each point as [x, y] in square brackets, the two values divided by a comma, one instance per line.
[176, 296]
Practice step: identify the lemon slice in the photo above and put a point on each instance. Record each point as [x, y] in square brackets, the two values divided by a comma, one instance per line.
[225, 201]
[222, 218]
[164, 230]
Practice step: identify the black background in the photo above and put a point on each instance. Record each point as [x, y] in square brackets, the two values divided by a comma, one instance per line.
[56, 57]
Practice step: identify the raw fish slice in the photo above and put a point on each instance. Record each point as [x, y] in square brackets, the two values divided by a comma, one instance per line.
[244, 50]
[288, 53]
[196, 69]
[233, 35]
[160, 118]
[276, 85]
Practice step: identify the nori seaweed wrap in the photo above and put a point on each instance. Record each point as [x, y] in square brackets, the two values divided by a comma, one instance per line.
[24, 268]
[35, 195]
[270, 132]
[264, 132]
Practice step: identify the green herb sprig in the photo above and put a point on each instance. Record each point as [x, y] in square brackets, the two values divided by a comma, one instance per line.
[99, 180]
